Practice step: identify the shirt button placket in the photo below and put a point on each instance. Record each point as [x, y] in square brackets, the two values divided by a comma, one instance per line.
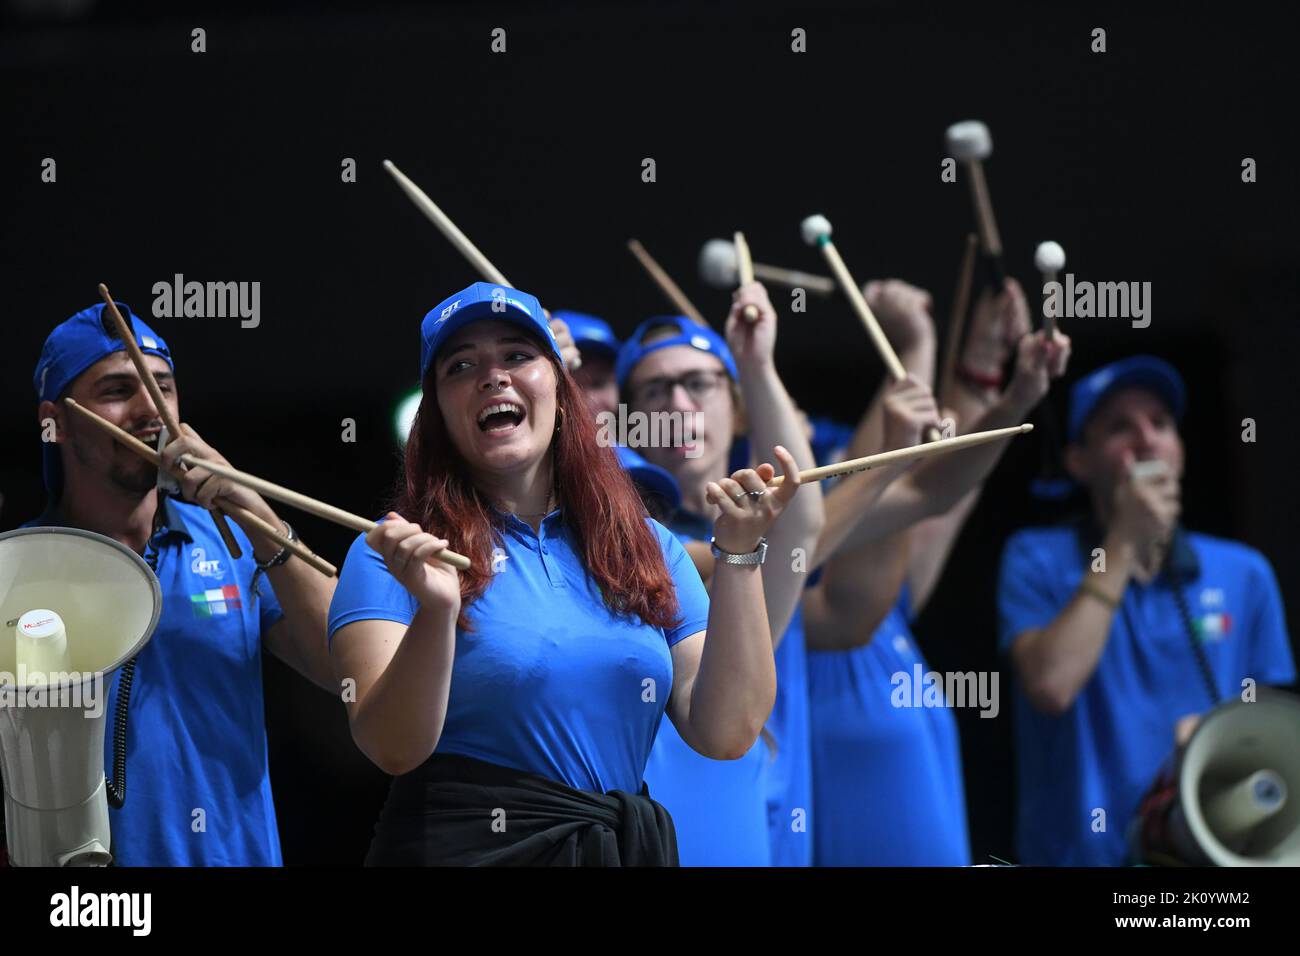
[553, 573]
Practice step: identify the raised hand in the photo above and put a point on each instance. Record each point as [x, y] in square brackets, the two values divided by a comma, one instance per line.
[1145, 510]
[751, 343]
[910, 408]
[998, 322]
[1038, 361]
[406, 551]
[903, 310]
[747, 507]
[564, 339]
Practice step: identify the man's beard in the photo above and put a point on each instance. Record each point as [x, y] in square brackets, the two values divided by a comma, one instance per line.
[134, 476]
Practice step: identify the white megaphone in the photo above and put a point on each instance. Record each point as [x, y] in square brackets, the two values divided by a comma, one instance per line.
[74, 606]
[1231, 797]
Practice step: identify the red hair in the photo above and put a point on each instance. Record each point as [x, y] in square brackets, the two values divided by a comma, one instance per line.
[600, 504]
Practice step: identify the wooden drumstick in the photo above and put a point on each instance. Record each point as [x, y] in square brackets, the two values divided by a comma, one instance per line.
[148, 454]
[915, 452]
[745, 270]
[816, 231]
[718, 268]
[957, 320]
[127, 335]
[458, 239]
[311, 505]
[666, 284]
[448, 228]
[1049, 258]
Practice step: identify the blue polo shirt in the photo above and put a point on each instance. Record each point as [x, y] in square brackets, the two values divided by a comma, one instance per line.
[198, 788]
[789, 774]
[887, 780]
[1104, 752]
[719, 807]
[549, 681]
[790, 801]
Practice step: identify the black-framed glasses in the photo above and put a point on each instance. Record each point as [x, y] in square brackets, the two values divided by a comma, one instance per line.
[699, 385]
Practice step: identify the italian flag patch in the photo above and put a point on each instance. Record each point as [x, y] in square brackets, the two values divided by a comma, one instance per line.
[1214, 627]
[215, 602]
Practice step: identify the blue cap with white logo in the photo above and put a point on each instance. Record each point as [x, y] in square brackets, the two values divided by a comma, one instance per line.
[688, 333]
[481, 301]
[1143, 371]
[74, 346]
[589, 332]
[657, 479]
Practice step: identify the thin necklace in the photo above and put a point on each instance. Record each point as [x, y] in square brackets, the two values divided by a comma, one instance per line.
[537, 514]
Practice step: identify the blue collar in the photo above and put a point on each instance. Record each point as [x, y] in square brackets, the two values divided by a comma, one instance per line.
[174, 520]
[513, 522]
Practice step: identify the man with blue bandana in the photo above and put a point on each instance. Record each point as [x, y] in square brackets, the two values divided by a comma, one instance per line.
[1123, 624]
[198, 788]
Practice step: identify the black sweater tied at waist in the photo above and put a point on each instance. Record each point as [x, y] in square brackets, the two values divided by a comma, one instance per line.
[459, 811]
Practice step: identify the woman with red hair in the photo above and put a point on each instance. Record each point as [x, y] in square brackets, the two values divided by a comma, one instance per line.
[515, 703]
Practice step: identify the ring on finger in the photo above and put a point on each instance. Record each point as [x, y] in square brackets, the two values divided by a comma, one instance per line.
[756, 494]
[739, 495]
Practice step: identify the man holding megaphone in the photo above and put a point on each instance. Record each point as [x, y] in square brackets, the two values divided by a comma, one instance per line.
[1124, 623]
[199, 788]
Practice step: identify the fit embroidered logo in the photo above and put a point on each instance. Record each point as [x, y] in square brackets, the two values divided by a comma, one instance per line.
[202, 566]
[215, 602]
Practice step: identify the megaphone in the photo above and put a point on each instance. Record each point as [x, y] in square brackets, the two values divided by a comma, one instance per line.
[1231, 797]
[74, 606]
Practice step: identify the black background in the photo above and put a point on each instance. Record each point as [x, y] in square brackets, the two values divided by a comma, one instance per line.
[225, 166]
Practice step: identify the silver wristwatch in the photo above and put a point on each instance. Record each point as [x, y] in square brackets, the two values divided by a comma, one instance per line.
[757, 556]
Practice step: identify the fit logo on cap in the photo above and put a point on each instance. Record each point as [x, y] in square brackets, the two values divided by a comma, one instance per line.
[449, 310]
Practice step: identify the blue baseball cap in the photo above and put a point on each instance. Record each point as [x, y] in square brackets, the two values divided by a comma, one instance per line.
[74, 346]
[688, 333]
[1142, 371]
[657, 479]
[589, 332]
[482, 300]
